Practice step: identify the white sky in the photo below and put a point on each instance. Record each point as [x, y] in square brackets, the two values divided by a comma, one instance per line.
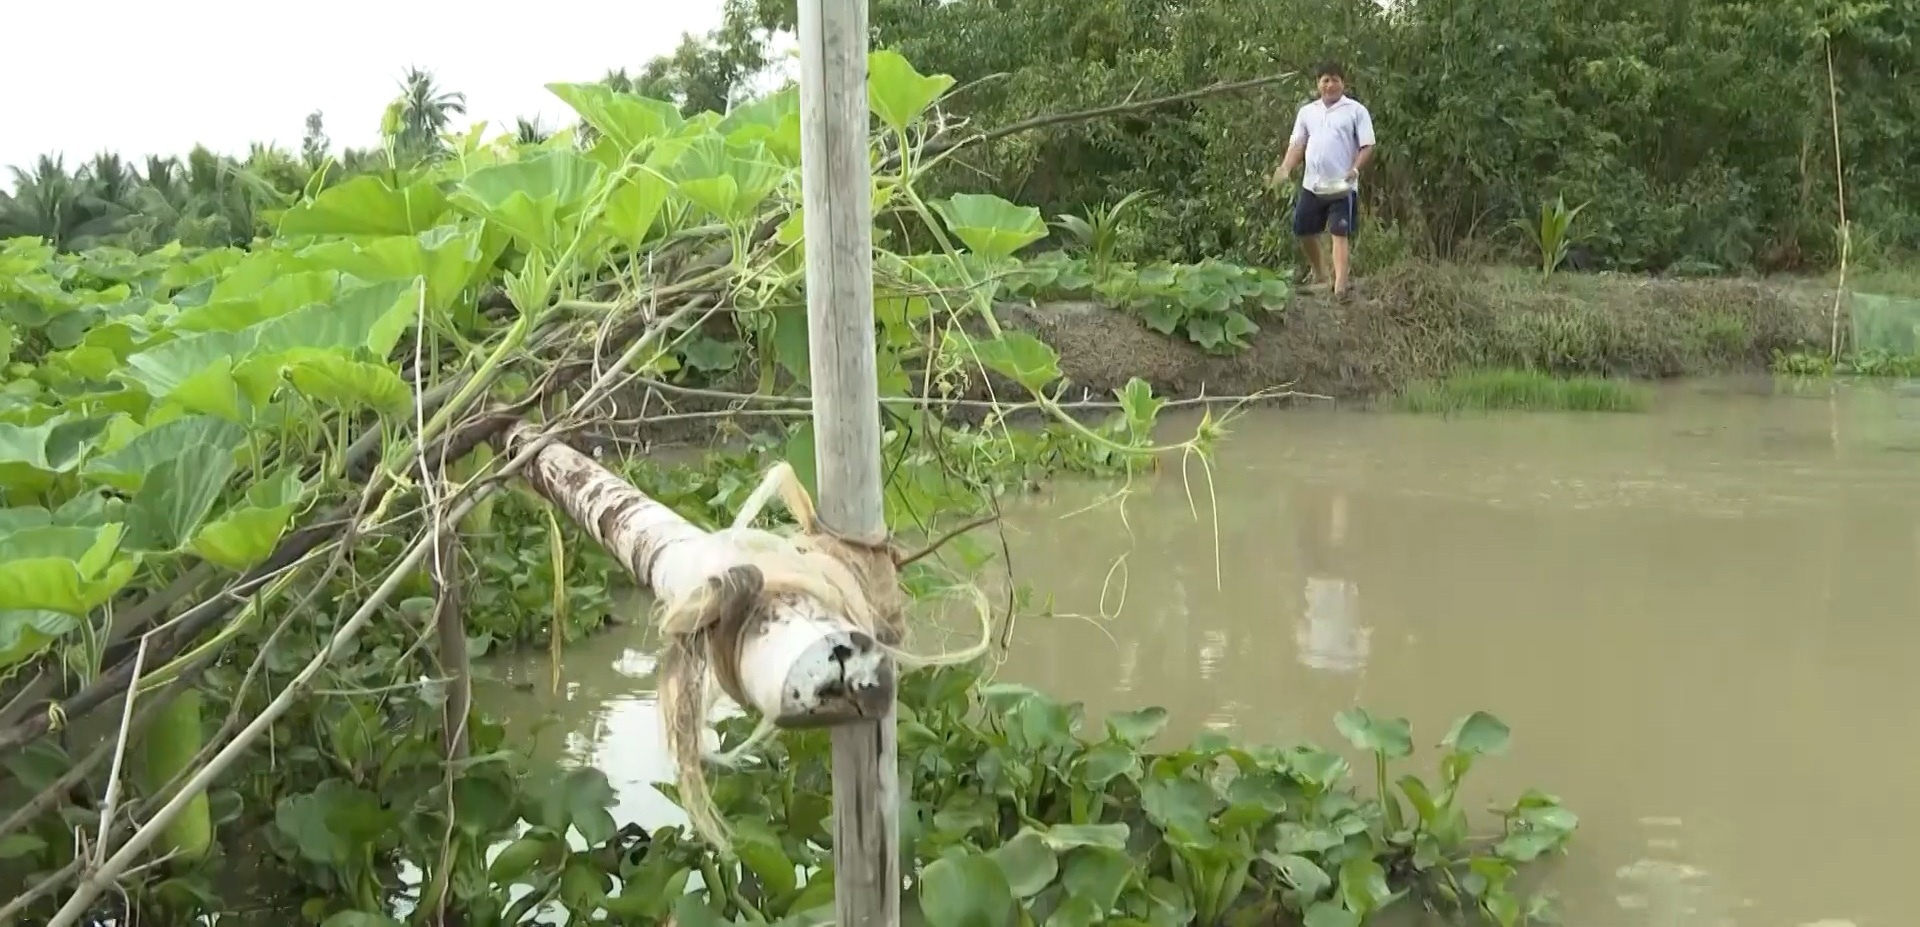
[155, 78]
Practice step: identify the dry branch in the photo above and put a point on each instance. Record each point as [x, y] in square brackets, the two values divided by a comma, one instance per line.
[938, 145]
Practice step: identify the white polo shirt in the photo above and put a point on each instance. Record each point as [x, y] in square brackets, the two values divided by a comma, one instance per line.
[1334, 136]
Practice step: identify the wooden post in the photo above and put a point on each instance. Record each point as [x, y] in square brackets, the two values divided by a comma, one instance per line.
[837, 194]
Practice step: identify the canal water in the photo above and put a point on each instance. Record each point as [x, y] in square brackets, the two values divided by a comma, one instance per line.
[1700, 622]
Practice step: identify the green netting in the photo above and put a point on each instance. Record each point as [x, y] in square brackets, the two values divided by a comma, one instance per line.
[1882, 323]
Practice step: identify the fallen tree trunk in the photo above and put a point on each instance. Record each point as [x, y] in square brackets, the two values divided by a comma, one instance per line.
[798, 667]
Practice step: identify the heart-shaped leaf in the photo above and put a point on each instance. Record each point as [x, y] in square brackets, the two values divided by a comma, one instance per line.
[1479, 733]
[966, 890]
[897, 93]
[1028, 862]
[1016, 355]
[990, 226]
[1391, 736]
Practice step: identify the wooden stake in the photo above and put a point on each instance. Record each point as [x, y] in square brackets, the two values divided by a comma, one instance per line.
[836, 188]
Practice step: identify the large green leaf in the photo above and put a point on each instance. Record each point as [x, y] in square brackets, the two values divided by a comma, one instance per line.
[580, 799]
[359, 919]
[1391, 736]
[1104, 762]
[371, 317]
[1303, 874]
[1071, 836]
[772, 121]
[540, 200]
[22, 517]
[245, 535]
[126, 468]
[1185, 804]
[62, 568]
[176, 497]
[1363, 886]
[1330, 914]
[349, 384]
[195, 371]
[729, 181]
[282, 294]
[1098, 874]
[450, 258]
[990, 226]
[333, 823]
[1135, 728]
[31, 455]
[791, 345]
[1141, 409]
[1478, 733]
[760, 849]
[966, 890]
[1028, 863]
[1016, 355]
[625, 119]
[366, 205]
[200, 371]
[634, 206]
[897, 93]
[26, 632]
[1075, 911]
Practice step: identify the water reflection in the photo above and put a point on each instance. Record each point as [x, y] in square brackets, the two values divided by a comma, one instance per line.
[1329, 635]
[605, 716]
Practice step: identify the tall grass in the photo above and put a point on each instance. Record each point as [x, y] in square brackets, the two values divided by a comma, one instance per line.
[1531, 390]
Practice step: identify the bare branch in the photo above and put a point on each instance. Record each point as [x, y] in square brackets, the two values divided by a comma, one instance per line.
[938, 145]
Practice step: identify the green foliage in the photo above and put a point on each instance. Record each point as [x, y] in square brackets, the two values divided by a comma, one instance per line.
[1627, 105]
[169, 419]
[1011, 809]
[1551, 233]
[1531, 390]
[1098, 233]
[1213, 304]
[1805, 362]
[171, 416]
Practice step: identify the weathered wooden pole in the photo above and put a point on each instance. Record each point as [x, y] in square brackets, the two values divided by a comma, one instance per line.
[837, 196]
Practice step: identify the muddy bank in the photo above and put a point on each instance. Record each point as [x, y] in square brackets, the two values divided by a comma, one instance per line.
[1403, 324]
[1417, 321]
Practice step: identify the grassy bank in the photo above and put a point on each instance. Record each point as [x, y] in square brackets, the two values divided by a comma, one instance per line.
[1529, 390]
[1423, 322]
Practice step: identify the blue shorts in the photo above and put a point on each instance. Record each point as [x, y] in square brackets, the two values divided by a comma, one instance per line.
[1335, 215]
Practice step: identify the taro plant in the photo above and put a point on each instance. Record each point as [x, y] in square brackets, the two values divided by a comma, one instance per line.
[1551, 234]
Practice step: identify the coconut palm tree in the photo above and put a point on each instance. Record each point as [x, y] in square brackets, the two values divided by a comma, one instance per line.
[425, 112]
[529, 131]
[51, 203]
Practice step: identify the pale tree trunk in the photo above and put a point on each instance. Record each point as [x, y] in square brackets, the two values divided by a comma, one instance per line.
[801, 667]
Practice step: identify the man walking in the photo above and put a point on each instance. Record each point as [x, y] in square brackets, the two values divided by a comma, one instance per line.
[1333, 133]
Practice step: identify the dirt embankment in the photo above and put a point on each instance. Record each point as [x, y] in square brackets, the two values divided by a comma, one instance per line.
[1403, 324]
[1417, 321]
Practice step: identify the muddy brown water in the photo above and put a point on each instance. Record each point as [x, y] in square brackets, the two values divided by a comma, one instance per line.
[1700, 622]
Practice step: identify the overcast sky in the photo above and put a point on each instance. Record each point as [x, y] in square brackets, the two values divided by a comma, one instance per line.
[142, 77]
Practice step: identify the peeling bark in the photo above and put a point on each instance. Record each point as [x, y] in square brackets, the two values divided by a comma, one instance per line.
[800, 666]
